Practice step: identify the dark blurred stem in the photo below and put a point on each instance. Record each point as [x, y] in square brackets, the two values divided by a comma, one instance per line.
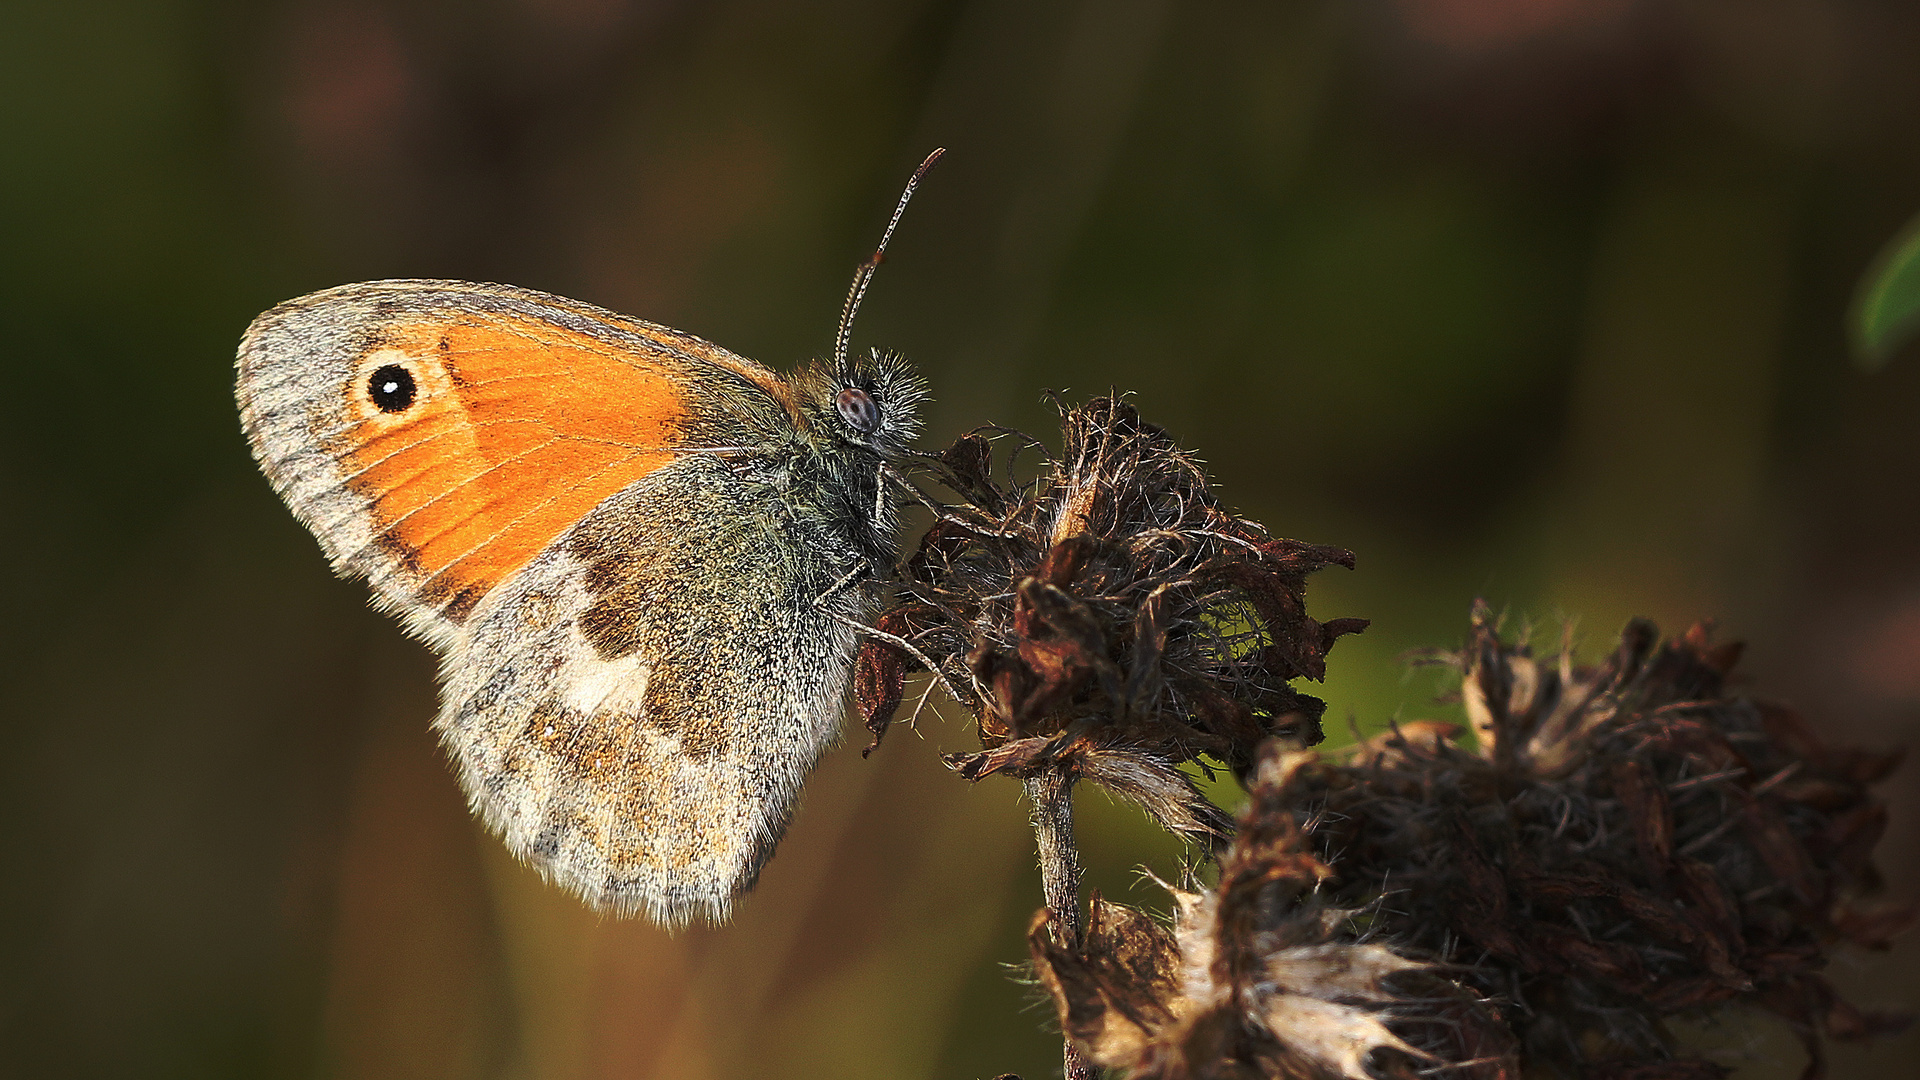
[1051, 793]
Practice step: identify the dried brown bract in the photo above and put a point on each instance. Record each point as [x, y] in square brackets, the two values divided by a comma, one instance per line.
[1263, 976]
[1108, 620]
[1628, 842]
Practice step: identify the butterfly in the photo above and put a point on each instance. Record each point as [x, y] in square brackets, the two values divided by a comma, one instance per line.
[643, 560]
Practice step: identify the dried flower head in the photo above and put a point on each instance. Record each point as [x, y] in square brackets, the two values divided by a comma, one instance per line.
[1108, 620]
[1263, 976]
[1626, 842]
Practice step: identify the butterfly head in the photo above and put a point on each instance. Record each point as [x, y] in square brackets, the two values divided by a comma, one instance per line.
[869, 402]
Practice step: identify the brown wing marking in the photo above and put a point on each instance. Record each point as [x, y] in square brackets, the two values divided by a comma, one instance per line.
[517, 429]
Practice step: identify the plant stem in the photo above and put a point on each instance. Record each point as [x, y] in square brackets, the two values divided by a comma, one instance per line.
[1051, 793]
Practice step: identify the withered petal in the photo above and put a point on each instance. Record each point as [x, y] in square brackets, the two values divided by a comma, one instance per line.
[1116, 994]
[1161, 789]
[1645, 802]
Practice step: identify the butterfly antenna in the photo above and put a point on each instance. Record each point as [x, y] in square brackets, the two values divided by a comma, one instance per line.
[864, 276]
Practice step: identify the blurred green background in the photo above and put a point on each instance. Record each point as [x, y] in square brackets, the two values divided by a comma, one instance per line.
[1537, 300]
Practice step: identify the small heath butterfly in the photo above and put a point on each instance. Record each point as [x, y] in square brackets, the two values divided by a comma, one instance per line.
[644, 561]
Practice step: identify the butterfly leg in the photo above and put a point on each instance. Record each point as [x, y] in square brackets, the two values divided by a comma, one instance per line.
[847, 580]
[860, 571]
[941, 511]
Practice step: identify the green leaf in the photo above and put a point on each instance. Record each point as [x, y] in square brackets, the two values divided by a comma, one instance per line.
[1886, 310]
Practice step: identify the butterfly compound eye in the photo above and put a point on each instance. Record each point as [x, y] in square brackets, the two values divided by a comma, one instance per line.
[858, 409]
[391, 388]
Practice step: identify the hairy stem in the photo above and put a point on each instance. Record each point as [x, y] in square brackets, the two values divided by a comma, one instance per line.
[1051, 793]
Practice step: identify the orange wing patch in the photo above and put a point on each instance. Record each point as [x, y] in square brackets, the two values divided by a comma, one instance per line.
[478, 442]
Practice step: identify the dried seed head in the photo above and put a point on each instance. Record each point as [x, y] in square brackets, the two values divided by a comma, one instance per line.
[1626, 841]
[1263, 976]
[1108, 619]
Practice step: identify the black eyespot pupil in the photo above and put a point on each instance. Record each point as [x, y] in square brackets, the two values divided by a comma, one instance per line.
[391, 388]
[858, 409]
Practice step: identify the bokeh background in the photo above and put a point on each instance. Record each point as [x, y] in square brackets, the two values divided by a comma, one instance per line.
[1536, 300]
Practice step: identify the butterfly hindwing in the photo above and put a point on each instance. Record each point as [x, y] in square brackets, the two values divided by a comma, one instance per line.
[635, 711]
